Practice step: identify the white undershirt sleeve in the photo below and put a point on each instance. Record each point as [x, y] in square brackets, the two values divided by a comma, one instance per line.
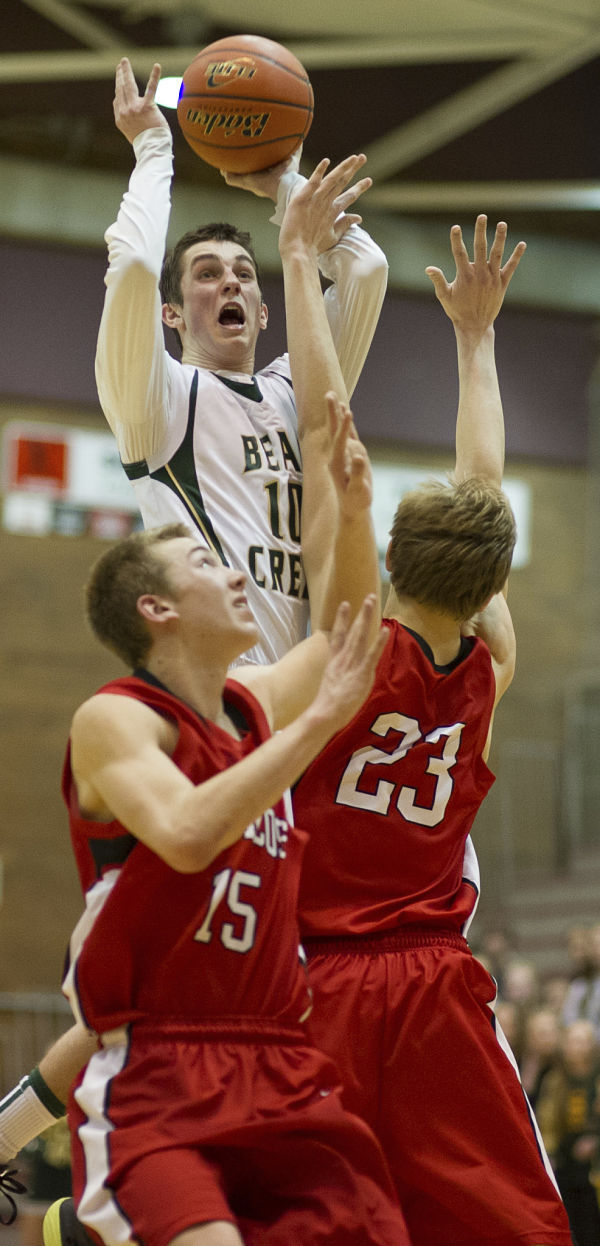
[131, 366]
[358, 269]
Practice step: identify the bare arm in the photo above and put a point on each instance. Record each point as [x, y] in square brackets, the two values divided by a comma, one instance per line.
[123, 768]
[494, 626]
[63, 1060]
[472, 302]
[338, 544]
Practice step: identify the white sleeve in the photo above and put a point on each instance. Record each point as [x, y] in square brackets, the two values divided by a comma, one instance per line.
[131, 363]
[358, 269]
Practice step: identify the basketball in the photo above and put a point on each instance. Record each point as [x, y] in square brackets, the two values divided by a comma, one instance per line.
[245, 104]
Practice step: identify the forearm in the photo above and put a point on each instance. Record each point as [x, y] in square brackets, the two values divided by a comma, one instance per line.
[130, 360]
[314, 364]
[63, 1061]
[215, 815]
[352, 571]
[480, 421]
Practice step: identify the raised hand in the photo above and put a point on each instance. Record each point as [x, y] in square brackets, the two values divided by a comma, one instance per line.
[316, 216]
[134, 112]
[474, 298]
[349, 463]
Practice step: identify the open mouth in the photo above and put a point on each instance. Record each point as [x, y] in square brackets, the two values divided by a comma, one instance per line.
[233, 315]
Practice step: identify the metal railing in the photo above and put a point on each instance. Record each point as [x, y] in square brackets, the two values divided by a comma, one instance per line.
[29, 1024]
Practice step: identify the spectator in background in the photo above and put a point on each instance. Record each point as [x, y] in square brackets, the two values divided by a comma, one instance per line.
[582, 1001]
[521, 983]
[496, 947]
[579, 950]
[540, 1049]
[509, 1017]
[568, 1113]
[553, 992]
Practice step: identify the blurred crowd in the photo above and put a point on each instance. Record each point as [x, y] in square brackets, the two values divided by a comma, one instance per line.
[553, 1027]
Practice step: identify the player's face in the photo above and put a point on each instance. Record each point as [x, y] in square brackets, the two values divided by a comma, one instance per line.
[210, 599]
[222, 307]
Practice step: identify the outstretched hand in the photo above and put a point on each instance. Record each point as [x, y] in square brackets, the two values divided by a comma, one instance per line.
[474, 298]
[316, 216]
[134, 112]
[349, 462]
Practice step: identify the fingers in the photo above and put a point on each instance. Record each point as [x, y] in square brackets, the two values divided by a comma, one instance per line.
[480, 252]
[152, 83]
[337, 179]
[459, 250]
[497, 247]
[512, 263]
[340, 425]
[352, 193]
[340, 627]
[436, 276]
[126, 88]
[356, 643]
[334, 409]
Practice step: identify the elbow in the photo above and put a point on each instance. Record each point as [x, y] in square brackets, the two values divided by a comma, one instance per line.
[189, 850]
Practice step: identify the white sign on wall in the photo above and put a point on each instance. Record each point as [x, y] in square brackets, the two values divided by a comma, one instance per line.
[390, 483]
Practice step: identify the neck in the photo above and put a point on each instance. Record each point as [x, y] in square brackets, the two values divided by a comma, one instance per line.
[199, 684]
[241, 362]
[442, 633]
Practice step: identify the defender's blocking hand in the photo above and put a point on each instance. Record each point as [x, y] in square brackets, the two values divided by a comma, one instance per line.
[474, 298]
[316, 216]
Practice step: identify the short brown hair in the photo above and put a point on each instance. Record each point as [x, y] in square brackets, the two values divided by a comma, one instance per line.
[121, 575]
[452, 545]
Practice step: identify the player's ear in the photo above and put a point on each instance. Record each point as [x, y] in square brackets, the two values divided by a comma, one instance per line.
[173, 317]
[387, 557]
[264, 315]
[155, 609]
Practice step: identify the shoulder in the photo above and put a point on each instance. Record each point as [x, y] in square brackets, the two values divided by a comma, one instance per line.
[110, 721]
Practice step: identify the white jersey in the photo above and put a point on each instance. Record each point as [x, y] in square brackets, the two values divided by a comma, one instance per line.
[218, 453]
[231, 470]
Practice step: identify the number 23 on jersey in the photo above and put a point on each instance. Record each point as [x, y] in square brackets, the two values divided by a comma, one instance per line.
[438, 764]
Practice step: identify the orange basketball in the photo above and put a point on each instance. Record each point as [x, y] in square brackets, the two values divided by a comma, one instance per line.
[246, 103]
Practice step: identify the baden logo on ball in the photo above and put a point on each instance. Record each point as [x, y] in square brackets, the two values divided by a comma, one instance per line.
[246, 103]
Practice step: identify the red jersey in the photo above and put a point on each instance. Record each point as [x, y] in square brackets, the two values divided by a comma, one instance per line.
[391, 799]
[219, 945]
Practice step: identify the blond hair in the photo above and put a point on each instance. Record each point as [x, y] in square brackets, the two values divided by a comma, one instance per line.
[451, 545]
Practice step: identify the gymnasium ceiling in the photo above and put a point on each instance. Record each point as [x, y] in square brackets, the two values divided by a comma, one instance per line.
[460, 105]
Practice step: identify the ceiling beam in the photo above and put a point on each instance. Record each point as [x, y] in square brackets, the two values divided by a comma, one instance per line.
[93, 33]
[481, 196]
[462, 112]
[333, 54]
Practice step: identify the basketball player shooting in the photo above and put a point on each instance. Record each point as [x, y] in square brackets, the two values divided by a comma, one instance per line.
[205, 441]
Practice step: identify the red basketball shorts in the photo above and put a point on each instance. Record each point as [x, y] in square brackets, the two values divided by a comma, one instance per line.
[169, 1132]
[407, 1021]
